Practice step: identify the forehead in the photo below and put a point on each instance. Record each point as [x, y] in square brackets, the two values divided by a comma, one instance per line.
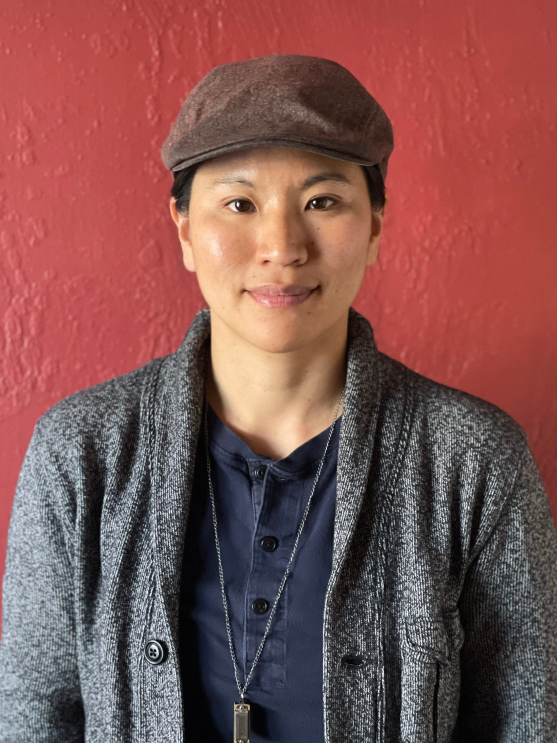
[263, 160]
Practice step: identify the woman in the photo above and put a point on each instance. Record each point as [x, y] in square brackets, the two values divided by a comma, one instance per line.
[278, 533]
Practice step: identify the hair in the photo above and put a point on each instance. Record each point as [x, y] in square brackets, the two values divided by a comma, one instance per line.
[183, 180]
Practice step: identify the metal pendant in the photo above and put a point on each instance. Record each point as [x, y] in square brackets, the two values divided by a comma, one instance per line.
[241, 722]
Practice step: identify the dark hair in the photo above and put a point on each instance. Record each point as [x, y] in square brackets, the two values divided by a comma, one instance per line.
[183, 179]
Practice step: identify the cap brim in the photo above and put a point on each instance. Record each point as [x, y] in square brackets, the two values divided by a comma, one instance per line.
[271, 140]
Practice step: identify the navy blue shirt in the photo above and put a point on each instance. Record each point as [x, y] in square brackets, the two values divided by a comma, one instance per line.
[259, 504]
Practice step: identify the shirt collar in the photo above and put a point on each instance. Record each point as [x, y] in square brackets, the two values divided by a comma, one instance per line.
[224, 438]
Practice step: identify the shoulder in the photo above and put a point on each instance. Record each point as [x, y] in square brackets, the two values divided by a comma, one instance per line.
[82, 442]
[458, 450]
[106, 411]
[452, 419]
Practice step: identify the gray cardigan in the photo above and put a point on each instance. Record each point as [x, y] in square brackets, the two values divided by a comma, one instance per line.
[443, 581]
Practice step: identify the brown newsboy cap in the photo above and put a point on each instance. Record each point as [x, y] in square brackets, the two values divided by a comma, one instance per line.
[291, 100]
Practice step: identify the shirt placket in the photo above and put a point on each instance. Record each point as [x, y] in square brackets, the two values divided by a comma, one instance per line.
[275, 509]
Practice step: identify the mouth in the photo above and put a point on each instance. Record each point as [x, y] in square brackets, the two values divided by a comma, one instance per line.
[277, 296]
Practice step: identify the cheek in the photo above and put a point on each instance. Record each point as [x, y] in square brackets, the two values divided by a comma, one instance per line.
[345, 246]
[217, 249]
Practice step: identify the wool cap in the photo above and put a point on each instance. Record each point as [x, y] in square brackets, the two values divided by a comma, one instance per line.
[292, 100]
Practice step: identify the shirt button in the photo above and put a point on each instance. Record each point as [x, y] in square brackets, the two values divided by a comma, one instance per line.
[260, 471]
[269, 544]
[154, 652]
[260, 606]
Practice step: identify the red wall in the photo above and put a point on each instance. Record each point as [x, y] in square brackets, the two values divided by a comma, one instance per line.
[91, 283]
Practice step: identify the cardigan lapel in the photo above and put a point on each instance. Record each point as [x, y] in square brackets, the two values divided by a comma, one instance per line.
[355, 451]
[357, 433]
[176, 415]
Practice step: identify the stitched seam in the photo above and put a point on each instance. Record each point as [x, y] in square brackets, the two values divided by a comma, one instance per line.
[480, 545]
[147, 615]
[42, 485]
[383, 546]
[150, 410]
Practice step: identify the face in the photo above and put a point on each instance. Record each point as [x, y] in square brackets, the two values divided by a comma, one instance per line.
[280, 239]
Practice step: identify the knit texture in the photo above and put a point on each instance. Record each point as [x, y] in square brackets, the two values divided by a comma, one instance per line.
[443, 577]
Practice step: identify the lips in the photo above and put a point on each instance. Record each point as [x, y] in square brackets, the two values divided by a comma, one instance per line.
[277, 296]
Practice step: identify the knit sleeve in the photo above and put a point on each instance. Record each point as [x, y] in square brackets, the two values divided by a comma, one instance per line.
[40, 697]
[509, 613]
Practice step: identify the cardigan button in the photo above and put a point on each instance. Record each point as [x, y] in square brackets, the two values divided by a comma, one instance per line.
[155, 652]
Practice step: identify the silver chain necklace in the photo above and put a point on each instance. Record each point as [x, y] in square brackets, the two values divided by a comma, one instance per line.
[243, 708]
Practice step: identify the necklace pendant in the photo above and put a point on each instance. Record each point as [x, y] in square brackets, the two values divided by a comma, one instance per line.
[241, 722]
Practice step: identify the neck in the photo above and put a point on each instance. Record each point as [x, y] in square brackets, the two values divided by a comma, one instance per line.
[276, 401]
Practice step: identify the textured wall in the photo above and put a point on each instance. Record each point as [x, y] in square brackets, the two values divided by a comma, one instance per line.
[91, 283]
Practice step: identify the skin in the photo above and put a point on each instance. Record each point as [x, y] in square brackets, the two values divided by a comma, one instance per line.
[286, 365]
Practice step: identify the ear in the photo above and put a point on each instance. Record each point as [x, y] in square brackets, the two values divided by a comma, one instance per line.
[183, 224]
[375, 235]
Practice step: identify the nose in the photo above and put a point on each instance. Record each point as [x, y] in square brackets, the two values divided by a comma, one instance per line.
[283, 237]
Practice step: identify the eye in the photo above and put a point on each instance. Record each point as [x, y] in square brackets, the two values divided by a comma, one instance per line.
[318, 200]
[240, 205]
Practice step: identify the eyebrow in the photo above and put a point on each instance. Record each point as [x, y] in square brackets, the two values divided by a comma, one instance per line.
[331, 175]
[225, 180]
[311, 181]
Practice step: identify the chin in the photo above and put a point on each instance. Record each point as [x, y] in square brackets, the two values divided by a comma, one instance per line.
[267, 346]
[279, 334]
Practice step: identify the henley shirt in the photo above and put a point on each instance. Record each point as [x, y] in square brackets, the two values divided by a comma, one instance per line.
[259, 503]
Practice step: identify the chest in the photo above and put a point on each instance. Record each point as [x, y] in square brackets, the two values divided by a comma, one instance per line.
[260, 505]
